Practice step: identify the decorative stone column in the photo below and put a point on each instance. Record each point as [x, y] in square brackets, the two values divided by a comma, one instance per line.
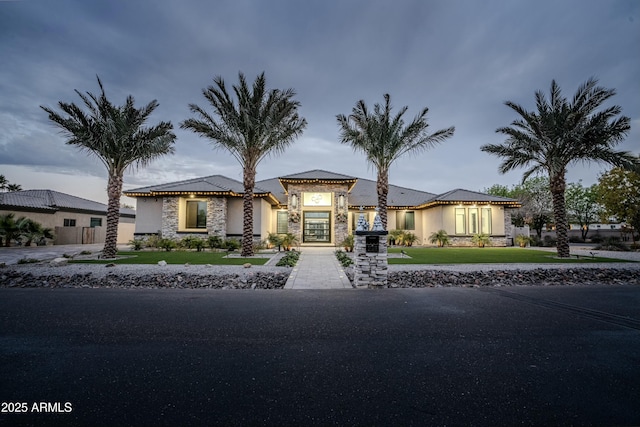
[169, 217]
[371, 265]
[217, 216]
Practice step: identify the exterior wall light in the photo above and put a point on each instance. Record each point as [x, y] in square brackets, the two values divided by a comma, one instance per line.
[294, 201]
[341, 201]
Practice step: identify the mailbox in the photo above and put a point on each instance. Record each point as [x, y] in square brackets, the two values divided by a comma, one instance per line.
[373, 244]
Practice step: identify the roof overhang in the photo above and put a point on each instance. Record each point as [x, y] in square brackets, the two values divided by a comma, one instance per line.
[433, 203]
[351, 182]
[268, 196]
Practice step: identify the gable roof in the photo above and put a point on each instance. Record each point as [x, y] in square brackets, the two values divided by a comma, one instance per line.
[52, 201]
[317, 176]
[461, 196]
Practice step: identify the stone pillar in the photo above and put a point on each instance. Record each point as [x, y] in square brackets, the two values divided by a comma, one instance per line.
[217, 216]
[371, 265]
[169, 217]
[509, 235]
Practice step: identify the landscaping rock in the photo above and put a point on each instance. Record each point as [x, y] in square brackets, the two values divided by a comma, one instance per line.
[162, 263]
[59, 262]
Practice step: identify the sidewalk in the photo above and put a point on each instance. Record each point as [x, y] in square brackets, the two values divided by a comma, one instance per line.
[318, 268]
[14, 254]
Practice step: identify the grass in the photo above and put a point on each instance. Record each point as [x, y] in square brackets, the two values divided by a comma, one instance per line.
[177, 257]
[486, 256]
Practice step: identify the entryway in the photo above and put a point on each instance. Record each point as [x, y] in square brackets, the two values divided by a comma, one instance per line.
[316, 227]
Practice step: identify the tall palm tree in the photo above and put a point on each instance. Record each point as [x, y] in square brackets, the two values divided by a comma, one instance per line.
[383, 139]
[561, 133]
[258, 123]
[117, 136]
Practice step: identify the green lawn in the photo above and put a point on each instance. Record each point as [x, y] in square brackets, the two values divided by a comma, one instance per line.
[178, 257]
[484, 256]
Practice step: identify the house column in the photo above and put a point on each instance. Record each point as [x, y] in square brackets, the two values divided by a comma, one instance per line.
[217, 216]
[169, 217]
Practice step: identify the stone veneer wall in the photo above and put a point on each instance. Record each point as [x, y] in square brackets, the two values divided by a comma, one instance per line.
[169, 217]
[340, 228]
[508, 226]
[371, 269]
[466, 241]
[217, 216]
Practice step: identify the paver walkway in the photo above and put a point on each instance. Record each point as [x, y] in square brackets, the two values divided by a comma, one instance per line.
[318, 268]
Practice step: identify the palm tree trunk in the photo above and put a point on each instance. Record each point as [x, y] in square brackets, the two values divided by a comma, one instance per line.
[382, 187]
[557, 185]
[249, 181]
[114, 189]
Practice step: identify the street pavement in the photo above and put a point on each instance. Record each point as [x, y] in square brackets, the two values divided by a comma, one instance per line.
[439, 356]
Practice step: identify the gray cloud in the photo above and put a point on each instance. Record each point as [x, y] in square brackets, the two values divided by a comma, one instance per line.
[460, 58]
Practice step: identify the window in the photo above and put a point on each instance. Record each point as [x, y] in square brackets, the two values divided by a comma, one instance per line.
[96, 222]
[405, 220]
[473, 220]
[460, 221]
[485, 221]
[282, 226]
[196, 214]
[69, 222]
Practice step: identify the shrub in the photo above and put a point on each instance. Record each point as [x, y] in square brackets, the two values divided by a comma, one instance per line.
[167, 244]
[348, 243]
[231, 245]
[409, 238]
[136, 244]
[274, 240]
[575, 239]
[481, 240]
[596, 239]
[153, 241]
[612, 243]
[289, 240]
[549, 241]
[289, 259]
[395, 237]
[344, 259]
[523, 240]
[214, 242]
[440, 237]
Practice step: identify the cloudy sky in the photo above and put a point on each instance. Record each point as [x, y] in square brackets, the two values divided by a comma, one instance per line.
[460, 58]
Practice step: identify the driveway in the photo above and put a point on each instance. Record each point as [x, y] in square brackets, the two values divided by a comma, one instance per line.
[452, 356]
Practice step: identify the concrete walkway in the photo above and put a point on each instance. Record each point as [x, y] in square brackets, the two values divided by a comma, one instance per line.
[318, 268]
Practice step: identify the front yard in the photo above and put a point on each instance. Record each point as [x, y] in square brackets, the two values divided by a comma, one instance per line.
[450, 255]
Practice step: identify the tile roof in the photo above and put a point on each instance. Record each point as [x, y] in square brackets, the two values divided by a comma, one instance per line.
[318, 174]
[50, 200]
[213, 183]
[363, 191]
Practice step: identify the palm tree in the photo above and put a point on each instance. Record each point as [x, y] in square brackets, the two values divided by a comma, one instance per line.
[258, 123]
[4, 182]
[117, 136]
[440, 237]
[559, 134]
[14, 187]
[9, 227]
[383, 139]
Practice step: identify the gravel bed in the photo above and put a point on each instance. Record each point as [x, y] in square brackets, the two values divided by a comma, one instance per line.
[144, 276]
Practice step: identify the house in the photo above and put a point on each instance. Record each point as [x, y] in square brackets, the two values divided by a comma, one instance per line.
[73, 219]
[319, 207]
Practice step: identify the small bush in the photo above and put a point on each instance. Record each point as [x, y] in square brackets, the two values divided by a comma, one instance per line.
[289, 259]
[575, 239]
[167, 244]
[344, 259]
[28, 260]
[231, 245]
[153, 241]
[549, 242]
[214, 242]
[481, 240]
[136, 244]
[612, 243]
[596, 239]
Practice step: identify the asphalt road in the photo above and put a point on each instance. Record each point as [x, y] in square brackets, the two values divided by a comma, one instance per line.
[453, 356]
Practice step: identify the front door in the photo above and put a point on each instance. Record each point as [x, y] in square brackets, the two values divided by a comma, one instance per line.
[317, 227]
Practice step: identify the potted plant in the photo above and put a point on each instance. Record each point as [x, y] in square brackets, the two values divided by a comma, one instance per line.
[347, 243]
[481, 240]
[288, 240]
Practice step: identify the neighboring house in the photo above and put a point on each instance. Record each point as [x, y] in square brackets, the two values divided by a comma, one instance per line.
[73, 219]
[319, 207]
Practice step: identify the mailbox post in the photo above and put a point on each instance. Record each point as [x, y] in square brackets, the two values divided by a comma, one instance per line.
[371, 266]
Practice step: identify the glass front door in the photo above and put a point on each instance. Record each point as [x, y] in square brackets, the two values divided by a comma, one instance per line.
[317, 227]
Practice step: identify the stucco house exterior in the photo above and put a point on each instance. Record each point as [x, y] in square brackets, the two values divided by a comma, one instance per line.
[74, 220]
[321, 208]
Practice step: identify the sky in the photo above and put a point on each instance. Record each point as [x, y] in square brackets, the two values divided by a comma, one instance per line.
[460, 58]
